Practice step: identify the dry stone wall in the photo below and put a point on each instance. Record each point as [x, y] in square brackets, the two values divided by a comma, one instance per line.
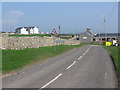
[31, 42]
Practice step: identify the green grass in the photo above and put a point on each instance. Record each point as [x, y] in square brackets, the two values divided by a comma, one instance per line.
[89, 44]
[65, 37]
[113, 51]
[16, 59]
[41, 35]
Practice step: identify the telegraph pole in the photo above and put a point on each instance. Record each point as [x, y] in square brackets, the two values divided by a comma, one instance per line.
[59, 30]
[105, 29]
[10, 28]
[104, 20]
[99, 36]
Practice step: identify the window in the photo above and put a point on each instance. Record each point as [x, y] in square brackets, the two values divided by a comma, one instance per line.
[84, 38]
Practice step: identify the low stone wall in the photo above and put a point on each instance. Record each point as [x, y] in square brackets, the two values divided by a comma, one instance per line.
[31, 42]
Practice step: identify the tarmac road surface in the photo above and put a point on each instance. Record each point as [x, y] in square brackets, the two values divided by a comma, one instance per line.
[85, 67]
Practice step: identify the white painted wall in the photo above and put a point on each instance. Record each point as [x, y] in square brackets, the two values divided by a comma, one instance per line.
[31, 31]
[36, 30]
[23, 31]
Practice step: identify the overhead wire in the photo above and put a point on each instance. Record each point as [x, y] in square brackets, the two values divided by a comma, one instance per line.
[113, 10]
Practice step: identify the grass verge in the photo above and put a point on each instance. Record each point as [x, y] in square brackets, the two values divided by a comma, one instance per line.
[65, 37]
[16, 59]
[113, 51]
[89, 44]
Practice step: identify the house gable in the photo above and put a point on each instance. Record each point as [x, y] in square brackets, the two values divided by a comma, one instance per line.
[27, 30]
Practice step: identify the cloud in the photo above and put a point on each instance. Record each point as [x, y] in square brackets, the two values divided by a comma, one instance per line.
[10, 21]
[12, 17]
[14, 14]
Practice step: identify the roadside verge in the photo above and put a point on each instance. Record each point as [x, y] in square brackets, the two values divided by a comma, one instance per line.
[114, 54]
[13, 60]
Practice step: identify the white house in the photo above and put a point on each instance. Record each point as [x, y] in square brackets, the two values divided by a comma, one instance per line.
[27, 30]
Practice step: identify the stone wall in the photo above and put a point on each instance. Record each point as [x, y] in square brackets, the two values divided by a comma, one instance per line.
[31, 42]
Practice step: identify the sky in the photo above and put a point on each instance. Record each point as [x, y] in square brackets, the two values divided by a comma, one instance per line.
[73, 17]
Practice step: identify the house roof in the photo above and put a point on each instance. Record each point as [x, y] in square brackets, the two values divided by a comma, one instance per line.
[26, 27]
[88, 32]
[108, 35]
[19, 27]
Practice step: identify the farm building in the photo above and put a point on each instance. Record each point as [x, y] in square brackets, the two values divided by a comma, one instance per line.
[89, 37]
[106, 37]
[27, 30]
[86, 36]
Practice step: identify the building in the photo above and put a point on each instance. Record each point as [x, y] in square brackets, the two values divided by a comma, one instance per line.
[27, 30]
[54, 32]
[86, 36]
[106, 37]
[89, 37]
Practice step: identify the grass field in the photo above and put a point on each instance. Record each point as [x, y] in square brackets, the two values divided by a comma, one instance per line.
[89, 44]
[16, 59]
[65, 37]
[114, 53]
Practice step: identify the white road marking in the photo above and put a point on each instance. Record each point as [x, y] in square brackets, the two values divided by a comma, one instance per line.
[7, 75]
[105, 75]
[12, 74]
[80, 57]
[87, 49]
[51, 81]
[83, 53]
[71, 65]
[22, 72]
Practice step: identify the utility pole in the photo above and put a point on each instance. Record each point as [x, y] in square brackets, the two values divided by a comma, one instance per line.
[104, 20]
[59, 30]
[105, 29]
[10, 28]
[75, 33]
[99, 36]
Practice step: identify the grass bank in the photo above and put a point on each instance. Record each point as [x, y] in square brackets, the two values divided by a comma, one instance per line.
[16, 59]
[89, 44]
[113, 51]
[65, 37]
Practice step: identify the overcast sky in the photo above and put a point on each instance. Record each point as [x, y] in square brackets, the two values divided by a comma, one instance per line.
[74, 17]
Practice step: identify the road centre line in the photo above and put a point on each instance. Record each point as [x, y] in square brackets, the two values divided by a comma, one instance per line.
[87, 49]
[105, 75]
[83, 53]
[51, 81]
[71, 65]
[80, 57]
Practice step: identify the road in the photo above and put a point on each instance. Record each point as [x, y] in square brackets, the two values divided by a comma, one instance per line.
[85, 67]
